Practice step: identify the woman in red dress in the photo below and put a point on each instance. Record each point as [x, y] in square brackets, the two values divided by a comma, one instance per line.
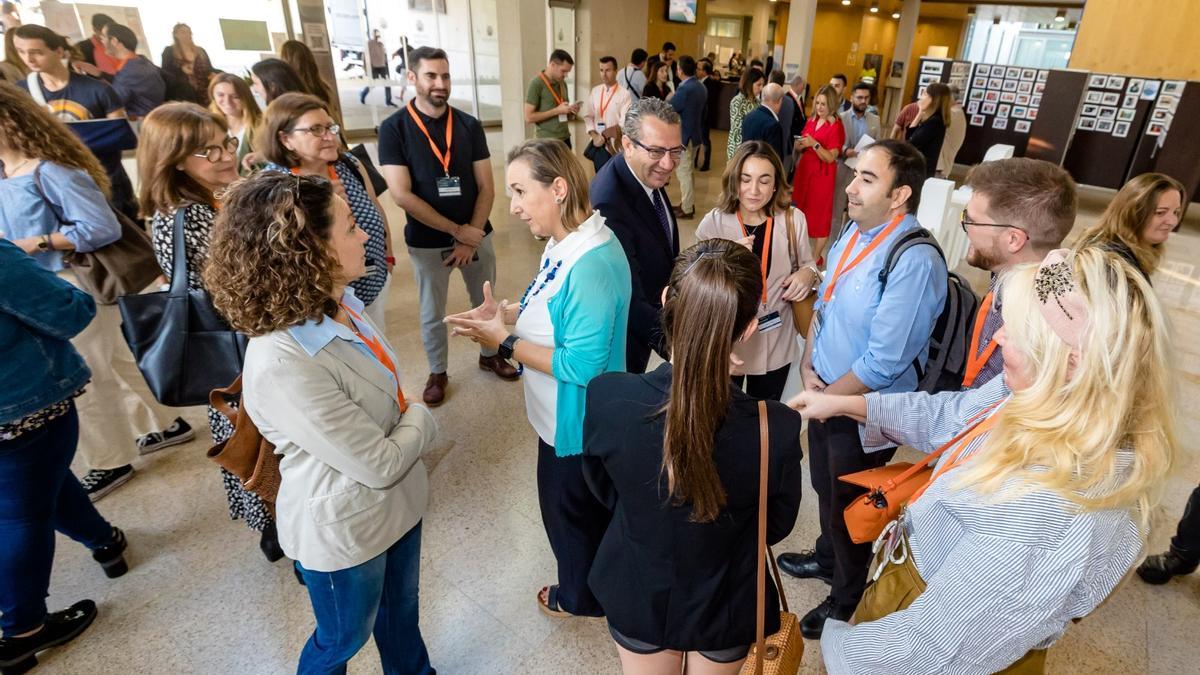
[816, 172]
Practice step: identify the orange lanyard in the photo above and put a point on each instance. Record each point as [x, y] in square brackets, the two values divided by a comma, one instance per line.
[612, 93]
[975, 358]
[557, 99]
[328, 167]
[843, 268]
[381, 355]
[766, 255]
[444, 159]
[977, 426]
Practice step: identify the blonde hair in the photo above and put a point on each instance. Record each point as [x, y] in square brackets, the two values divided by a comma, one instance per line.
[169, 134]
[251, 113]
[1125, 218]
[550, 158]
[832, 101]
[1070, 431]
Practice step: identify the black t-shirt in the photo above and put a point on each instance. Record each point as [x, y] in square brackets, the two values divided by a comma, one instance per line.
[84, 98]
[402, 143]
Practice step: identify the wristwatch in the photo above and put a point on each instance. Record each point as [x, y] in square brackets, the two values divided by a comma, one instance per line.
[505, 350]
[44, 244]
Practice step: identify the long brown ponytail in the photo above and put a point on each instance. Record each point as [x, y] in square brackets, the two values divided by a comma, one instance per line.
[712, 297]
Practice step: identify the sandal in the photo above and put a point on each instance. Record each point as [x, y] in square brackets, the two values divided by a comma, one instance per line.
[551, 607]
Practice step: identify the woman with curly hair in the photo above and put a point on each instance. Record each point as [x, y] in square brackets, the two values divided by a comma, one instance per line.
[53, 200]
[321, 383]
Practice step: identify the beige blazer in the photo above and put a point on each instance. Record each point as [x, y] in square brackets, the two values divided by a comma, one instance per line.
[352, 478]
[764, 352]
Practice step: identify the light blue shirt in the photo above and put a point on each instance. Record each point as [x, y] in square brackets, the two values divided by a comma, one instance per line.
[313, 337]
[878, 332]
[858, 128]
[86, 219]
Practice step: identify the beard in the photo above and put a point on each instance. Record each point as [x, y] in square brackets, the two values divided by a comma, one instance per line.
[983, 260]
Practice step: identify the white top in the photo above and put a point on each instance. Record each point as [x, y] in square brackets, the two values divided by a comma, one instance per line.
[534, 325]
[616, 100]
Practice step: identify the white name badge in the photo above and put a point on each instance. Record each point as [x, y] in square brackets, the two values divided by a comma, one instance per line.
[769, 322]
[600, 127]
[562, 118]
[449, 186]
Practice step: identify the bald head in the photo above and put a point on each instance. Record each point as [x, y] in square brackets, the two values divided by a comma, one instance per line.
[772, 96]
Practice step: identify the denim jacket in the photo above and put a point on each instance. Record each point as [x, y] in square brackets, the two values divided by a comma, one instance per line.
[39, 314]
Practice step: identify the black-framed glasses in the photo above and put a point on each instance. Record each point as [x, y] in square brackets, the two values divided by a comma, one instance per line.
[319, 130]
[963, 222]
[656, 153]
[214, 153]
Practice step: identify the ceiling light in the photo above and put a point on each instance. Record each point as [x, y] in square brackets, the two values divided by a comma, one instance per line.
[1061, 16]
[874, 7]
[846, 3]
[895, 15]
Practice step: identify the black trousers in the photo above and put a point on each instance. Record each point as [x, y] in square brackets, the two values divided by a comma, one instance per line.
[834, 449]
[637, 355]
[380, 73]
[600, 157]
[766, 387]
[575, 523]
[706, 141]
[1186, 541]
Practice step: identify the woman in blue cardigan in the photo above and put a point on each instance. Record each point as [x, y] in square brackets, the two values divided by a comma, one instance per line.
[569, 327]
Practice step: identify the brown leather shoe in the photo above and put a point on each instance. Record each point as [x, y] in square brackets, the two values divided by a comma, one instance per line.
[503, 369]
[435, 389]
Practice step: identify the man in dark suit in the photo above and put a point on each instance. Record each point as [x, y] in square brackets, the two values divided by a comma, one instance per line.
[629, 191]
[762, 124]
[792, 119]
[712, 88]
[688, 101]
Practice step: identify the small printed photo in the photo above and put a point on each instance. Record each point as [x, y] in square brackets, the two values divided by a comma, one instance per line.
[1160, 115]
[982, 69]
[1089, 110]
[975, 95]
[980, 82]
[1115, 82]
[1087, 123]
[1154, 129]
[1010, 85]
[1003, 110]
[1023, 99]
[1012, 73]
[1019, 112]
[1031, 114]
[1134, 86]
[1008, 97]
[1107, 113]
[972, 107]
[1111, 98]
[1168, 101]
[1104, 126]
[995, 83]
[1028, 73]
[925, 80]
[1021, 126]
[1130, 101]
[1126, 114]
[1121, 129]
[1150, 89]
[934, 67]
[988, 108]
[1024, 87]
[1000, 123]
[1042, 75]
[1093, 97]
[977, 120]
[1035, 100]
[991, 95]
[1173, 87]
[1039, 87]
[1097, 81]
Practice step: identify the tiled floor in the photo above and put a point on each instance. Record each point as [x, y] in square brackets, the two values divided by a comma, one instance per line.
[200, 598]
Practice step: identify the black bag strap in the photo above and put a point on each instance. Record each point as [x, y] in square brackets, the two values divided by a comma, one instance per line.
[179, 266]
[917, 237]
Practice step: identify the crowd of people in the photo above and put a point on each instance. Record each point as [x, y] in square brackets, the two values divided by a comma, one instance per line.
[1049, 449]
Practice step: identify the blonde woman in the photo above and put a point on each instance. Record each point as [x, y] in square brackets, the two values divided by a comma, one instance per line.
[754, 209]
[1139, 220]
[233, 102]
[1039, 505]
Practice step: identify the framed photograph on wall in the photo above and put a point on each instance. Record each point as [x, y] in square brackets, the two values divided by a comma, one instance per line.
[1003, 110]
[1150, 90]
[1035, 100]
[934, 67]
[1160, 115]
[1021, 126]
[1168, 101]
[982, 69]
[977, 120]
[1115, 82]
[979, 82]
[1134, 86]
[988, 108]
[1031, 113]
[1173, 87]
[1097, 81]
[1022, 99]
[1024, 87]
[995, 83]
[1126, 114]
[972, 107]
[1155, 129]
[1130, 101]
[1028, 73]
[1019, 111]
[1000, 123]
[975, 95]
[1012, 73]
[1089, 110]
[1121, 129]
[1039, 87]
[1104, 126]
[1010, 85]
[1111, 98]
[1087, 123]
[1093, 97]
[1042, 75]
[1107, 113]
[991, 95]
[1008, 97]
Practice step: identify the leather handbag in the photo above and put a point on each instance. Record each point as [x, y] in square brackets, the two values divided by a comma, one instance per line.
[889, 488]
[802, 310]
[245, 454]
[124, 267]
[780, 653]
[182, 346]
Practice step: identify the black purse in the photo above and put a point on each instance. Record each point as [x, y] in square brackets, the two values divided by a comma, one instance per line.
[183, 347]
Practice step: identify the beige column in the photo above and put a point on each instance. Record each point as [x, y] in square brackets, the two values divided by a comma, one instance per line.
[796, 50]
[893, 94]
[523, 52]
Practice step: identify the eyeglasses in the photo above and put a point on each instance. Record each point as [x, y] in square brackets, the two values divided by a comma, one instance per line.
[656, 153]
[214, 153]
[962, 221]
[319, 130]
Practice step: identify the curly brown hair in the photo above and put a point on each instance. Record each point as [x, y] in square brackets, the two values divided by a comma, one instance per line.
[269, 265]
[32, 131]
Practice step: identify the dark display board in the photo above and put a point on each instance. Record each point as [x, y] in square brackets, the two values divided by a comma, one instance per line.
[1115, 109]
[1002, 104]
[1051, 133]
[1170, 142]
[947, 71]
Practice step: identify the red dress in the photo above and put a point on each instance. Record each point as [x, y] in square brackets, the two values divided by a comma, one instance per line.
[815, 181]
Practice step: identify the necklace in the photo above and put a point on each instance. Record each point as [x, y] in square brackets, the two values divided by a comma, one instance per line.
[9, 173]
[530, 292]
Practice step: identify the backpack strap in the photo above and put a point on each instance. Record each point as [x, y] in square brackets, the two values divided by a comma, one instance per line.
[916, 237]
[35, 89]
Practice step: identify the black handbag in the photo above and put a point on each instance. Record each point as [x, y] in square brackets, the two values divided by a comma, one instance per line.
[183, 347]
[377, 180]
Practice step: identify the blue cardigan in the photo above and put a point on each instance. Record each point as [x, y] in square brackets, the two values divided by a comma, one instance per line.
[589, 313]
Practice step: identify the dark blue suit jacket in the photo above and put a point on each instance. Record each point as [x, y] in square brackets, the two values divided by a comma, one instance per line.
[761, 125]
[689, 101]
[622, 200]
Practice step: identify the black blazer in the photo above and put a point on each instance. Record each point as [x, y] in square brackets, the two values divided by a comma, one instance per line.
[652, 90]
[928, 137]
[761, 125]
[661, 578]
[620, 198]
[712, 102]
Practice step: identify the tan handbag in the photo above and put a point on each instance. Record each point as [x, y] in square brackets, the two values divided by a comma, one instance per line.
[245, 454]
[802, 310]
[777, 654]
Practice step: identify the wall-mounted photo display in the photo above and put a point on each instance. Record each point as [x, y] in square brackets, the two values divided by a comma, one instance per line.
[1107, 113]
[1090, 110]
[1150, 90]
[995, 83]
[1021, 126]
[934, 67]
[1121, 129]
[1000, 123]
[1003, 110]
[1093, 97]
[1012, 73]
[1115, 82]
[1008, 97]
[1111, 98]
[988, 108]
[1087, 123]
[1168, 101]
[1126, 114]
[1155, 129]
[1130, 101]
[1010, 85]
[1097, 81]
[1173, 87]
[1104, 126]
[977, 120]
[1022, 99]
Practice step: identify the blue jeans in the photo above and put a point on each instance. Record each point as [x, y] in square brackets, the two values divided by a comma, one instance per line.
[38, 495]
[378, 596]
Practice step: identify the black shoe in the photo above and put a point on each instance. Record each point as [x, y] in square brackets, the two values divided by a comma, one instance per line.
[99, 482]
[1158, 569]
[804, 565]
[60, 628]
[269, 543]
[813, 623]
[111, 555]
[179, 432]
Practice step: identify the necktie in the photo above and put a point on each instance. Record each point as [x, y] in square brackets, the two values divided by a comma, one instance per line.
[661, 211]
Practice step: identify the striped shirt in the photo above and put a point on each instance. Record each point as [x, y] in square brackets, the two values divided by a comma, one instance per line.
[1002, 578]
[991, 324]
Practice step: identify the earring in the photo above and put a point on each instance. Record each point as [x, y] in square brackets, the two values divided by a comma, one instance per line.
[558, 200]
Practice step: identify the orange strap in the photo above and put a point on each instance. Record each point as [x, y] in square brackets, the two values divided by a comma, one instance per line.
[604, 106]
[546, 81]
[975, 358]
[765, 263]
[977, 426]
[444, 159]
[328, 167]
[843, 268]
[381, 355]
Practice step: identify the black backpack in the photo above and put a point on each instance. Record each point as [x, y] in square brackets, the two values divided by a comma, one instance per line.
[950, 341]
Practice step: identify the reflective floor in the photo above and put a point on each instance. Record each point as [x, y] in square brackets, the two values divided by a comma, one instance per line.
[200, 598]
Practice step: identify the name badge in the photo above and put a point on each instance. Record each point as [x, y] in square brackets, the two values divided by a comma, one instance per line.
[449, 186]
[600, 127]
[562, 118]
[769, 322]
[816, 323]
